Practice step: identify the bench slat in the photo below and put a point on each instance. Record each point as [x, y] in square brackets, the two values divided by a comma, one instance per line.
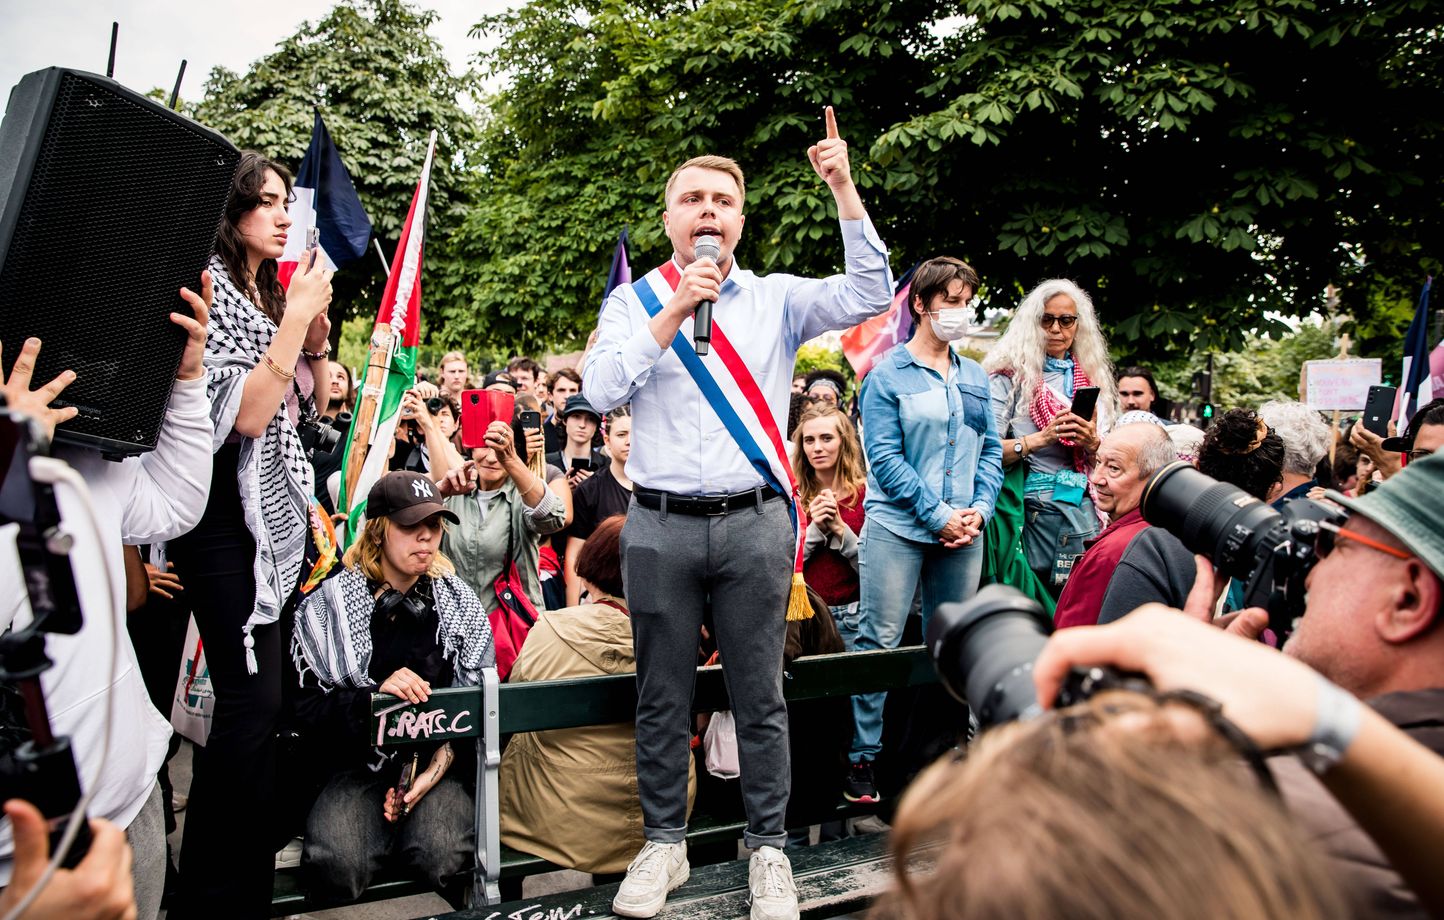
[453, 712]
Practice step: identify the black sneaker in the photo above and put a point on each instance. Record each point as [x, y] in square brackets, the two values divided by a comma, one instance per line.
[859, 787]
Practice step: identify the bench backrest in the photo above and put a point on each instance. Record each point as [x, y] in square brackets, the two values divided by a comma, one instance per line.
[457, 712]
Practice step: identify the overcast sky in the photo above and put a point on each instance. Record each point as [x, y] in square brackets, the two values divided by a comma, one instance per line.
[155, 35]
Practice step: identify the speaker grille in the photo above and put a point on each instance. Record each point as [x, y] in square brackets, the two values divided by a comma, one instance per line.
[120, 210]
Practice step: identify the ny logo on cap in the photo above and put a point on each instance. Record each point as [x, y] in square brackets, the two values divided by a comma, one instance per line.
[421, 488]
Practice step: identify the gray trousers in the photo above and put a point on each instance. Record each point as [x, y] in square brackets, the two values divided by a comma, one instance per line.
[672, 564]
[146, 836]
[348, 840]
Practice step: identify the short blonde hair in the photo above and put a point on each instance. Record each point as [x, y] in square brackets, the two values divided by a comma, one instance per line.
[721, 164]
[451, 356]
[365, 553]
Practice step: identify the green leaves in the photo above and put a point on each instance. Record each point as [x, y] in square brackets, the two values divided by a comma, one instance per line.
[1201, 166]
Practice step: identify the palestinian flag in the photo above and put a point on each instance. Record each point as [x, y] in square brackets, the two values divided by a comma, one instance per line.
[391, 369]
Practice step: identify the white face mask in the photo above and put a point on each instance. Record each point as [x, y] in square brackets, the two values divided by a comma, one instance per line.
[950, 325]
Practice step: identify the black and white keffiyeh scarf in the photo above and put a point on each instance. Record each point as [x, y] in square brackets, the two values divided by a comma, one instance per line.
[332, 636]
[275, 477]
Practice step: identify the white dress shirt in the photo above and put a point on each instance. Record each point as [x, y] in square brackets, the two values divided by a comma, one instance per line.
[678, 442]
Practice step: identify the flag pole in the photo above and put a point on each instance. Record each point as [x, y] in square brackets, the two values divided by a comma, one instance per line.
[381, 255]
[386, 335]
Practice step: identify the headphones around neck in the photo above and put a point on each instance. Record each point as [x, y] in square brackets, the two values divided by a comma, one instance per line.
[413, 603]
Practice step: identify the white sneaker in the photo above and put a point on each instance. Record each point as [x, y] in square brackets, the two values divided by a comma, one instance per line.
[769, 879]
[658, 869]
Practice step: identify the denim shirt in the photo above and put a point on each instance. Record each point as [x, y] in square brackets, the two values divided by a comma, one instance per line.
[932, 446]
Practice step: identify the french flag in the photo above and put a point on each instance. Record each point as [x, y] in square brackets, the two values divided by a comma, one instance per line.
[325, 199]
[1417, 377]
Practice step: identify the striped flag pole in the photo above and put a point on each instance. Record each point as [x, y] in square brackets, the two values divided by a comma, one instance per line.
[391, 368]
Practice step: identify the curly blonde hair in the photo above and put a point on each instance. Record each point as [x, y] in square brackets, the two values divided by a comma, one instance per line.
[365, 553]
[1023, 347]
[851, 472]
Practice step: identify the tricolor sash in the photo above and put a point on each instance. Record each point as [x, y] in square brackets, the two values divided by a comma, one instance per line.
[739, 404]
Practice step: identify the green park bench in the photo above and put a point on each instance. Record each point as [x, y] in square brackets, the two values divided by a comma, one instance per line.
[843, 872]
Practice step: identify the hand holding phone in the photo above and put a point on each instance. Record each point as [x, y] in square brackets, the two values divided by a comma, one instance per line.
[1379, 410]
[1085, 402]
[396, 804]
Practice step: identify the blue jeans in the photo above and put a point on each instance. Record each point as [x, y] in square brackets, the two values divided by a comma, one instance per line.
[890, 567]
[846, 618]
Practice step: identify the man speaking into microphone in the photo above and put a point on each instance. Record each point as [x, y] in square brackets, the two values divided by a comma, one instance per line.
[712, 519]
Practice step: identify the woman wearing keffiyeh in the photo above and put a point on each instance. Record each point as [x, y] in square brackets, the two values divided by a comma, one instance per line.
[266, 350]
[398, 620]
[1051, 349]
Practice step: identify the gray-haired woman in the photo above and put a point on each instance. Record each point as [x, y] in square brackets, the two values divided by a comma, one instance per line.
[1051, 349]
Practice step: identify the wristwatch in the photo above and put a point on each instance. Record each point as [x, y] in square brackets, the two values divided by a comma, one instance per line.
[1018, 448]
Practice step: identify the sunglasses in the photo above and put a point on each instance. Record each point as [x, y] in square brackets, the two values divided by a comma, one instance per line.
[1330, 533]
[1064, 322]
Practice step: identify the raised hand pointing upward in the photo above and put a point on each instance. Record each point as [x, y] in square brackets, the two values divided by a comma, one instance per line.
[829, 160]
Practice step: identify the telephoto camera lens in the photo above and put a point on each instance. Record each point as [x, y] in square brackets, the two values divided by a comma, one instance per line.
[1212, 518]
[984, 649]
[434, 404]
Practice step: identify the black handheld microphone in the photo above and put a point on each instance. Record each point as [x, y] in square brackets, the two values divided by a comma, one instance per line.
[707, 248]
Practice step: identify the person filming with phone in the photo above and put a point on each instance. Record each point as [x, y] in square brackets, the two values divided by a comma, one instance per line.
[577, 456]
[398, 620]
[503, 510]
[1052, 354]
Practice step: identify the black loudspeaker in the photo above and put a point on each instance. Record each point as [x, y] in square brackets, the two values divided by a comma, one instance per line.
[109, 204]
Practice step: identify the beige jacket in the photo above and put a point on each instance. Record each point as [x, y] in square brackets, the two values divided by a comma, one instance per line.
[570, 795]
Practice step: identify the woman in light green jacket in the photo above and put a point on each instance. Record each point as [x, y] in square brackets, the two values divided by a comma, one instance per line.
[503, 507]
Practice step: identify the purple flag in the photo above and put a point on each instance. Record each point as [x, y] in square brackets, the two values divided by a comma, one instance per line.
[621, 272]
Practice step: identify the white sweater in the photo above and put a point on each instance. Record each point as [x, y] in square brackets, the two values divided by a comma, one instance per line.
[147, 499]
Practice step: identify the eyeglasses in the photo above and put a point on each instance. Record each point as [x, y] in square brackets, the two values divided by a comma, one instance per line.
[1330, 533]
[1064, 322]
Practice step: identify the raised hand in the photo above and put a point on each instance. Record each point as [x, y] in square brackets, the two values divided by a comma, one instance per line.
[36, 403]
[192, 364]
[460, 481]
[829, 155]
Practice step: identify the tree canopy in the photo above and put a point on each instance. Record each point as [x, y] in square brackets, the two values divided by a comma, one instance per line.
[1201, 166]
[382, 84]
[1197, 164]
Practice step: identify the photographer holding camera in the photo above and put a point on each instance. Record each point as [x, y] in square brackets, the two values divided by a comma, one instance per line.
[423, 444]
[150, 498]
[1372, 623]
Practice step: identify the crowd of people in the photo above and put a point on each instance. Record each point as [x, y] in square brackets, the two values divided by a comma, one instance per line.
[655, 508]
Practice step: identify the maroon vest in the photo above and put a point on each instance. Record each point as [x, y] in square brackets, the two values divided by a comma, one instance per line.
[1083, 594]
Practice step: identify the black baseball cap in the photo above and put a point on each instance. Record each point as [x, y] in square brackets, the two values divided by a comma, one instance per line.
[1405, 443]
[501, 377]
[406, 498]
[579, 403]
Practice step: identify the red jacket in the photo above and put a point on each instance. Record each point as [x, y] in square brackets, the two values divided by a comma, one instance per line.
[1083, 594]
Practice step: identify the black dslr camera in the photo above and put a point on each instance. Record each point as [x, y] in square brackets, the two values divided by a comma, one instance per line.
[319, 437]
[984, 650]
[1270, 551]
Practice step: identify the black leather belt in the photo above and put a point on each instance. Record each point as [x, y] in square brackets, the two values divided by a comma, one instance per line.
[702, 505]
